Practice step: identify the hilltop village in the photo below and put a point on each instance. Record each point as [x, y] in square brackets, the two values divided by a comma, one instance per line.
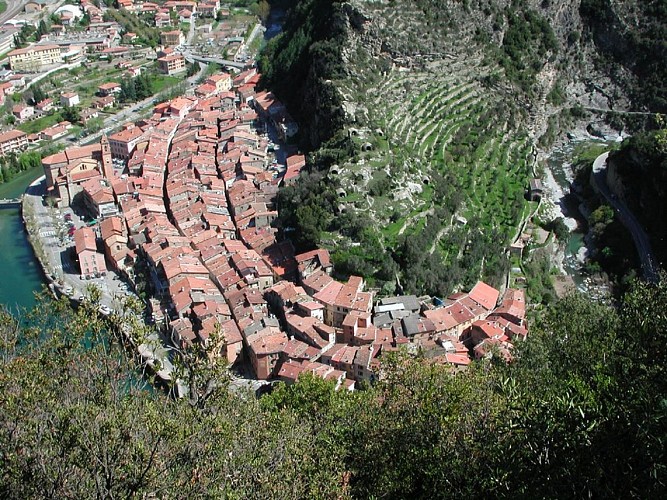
[191, 193]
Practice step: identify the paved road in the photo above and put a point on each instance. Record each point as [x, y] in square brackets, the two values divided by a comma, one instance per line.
[641, 239]
[13, 8]
[41, 76]
[257, 30]
[223, 62]
[620, 112]
[130, 114]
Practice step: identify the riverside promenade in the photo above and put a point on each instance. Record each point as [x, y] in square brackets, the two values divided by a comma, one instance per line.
[54, 249]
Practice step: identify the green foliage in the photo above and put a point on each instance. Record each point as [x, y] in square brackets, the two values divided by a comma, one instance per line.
[26, 35]
[556, 95]
[137, 88]
[128, 90]
[38, 94]
[78, 422]
[193, 69]
[527, 41]
[641, 48]
[131, 23]
[368, 259]
[602, 216]
[12, 164]
[596, 369]
[537, 268]
[559, 228]
[306, 207]
[94, 125]
[641, 164]
[39, 124]
[70, 114]
[297, 63]
[42, 29]
[617, 254]
[312, 395]
[580, 412]
[261, 9]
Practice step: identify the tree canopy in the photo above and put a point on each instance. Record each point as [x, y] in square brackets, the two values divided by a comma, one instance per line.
[582, 411]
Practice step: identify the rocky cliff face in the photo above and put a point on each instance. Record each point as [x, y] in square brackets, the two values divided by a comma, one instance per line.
[604, 47]
[385, 34]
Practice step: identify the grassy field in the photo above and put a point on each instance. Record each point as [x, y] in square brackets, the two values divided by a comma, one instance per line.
[40, 124]
[161, 82]
[3, 6]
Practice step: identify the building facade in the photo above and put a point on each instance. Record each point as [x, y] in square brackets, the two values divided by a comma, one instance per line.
[35, 57]
[171, 65]
[11, 141]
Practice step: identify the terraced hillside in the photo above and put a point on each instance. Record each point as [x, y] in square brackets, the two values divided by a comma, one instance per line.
[440, 161]
[442, 103]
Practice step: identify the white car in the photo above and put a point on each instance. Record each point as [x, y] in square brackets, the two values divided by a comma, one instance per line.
[106, 310]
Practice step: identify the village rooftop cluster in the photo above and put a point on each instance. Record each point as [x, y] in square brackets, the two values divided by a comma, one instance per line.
[191, 191]
[103, 44]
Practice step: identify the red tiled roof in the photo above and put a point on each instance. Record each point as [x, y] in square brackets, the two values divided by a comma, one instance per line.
[457, 359]
[84, 239]
[485, 295]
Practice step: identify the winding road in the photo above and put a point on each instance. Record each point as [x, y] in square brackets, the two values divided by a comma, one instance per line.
[13, 8]
[641, 239]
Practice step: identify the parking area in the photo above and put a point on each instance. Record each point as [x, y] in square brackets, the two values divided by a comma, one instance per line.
[56, 236]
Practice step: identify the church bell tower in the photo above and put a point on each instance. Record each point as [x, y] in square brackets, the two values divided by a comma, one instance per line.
[107, 164]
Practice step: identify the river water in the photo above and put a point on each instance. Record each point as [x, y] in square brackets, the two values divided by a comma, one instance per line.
[559, 162]
[20, 274]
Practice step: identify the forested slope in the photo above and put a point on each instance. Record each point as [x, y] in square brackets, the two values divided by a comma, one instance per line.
[639, 169]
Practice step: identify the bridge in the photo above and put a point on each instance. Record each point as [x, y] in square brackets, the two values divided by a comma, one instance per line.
[223, 62]
[10, 202]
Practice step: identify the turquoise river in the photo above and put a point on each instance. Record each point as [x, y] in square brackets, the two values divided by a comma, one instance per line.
[20, 275]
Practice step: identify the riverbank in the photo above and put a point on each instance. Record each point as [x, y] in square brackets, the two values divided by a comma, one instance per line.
[19, 268]
[53, 256]
[32, 229]
[570, 259]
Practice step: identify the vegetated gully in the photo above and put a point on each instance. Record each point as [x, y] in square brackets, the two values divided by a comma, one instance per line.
[559, 162]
